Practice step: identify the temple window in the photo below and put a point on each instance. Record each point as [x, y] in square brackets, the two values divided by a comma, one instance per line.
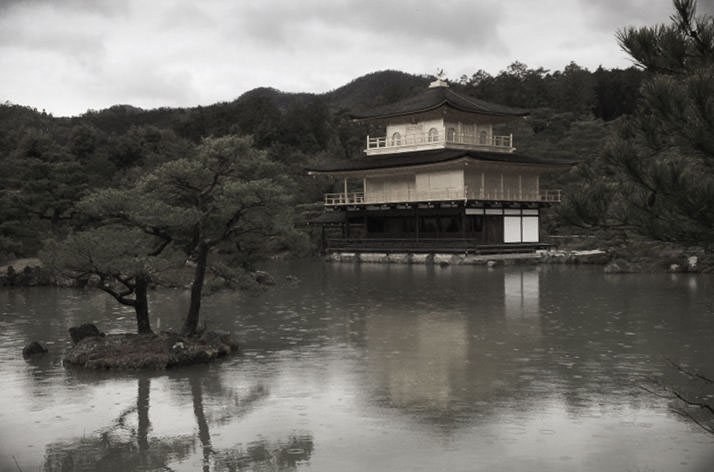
[451, 135]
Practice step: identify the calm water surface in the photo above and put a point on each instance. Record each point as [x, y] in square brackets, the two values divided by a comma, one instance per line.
[374, 367]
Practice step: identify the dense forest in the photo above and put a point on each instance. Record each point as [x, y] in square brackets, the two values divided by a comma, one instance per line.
[48, 164]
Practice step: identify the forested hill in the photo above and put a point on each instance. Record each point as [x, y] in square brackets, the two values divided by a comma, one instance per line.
[605, 94]
[47, 164]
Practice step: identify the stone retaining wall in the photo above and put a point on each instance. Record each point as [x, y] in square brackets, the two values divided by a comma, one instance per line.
[437, 258]
[611, 263]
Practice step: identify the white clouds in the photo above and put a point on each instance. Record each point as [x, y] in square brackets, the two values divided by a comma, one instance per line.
[453, 22]
[45, 29]
[77, 54]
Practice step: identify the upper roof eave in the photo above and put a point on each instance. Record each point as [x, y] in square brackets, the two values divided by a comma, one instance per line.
[428, 109]
[432, 99]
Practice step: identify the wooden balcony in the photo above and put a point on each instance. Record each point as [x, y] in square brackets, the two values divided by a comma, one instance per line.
[425, 141]
[413, 196]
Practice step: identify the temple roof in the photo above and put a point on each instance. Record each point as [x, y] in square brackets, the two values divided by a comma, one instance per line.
[435, 97]
[437, 156]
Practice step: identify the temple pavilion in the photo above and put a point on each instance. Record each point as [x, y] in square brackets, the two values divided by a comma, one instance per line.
[438, 180]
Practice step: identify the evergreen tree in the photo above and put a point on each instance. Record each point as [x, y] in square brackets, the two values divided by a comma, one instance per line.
[223, 210]
[230, 200]
[125, 261]
[663, 159]
[656, 176]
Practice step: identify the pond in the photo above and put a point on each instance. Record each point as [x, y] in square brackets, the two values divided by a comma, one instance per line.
[375, 367]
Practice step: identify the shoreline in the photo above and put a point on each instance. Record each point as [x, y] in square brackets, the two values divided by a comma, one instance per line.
[30, 272]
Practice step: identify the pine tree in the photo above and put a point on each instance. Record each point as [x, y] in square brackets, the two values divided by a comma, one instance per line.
[662, 161]
[221, 210]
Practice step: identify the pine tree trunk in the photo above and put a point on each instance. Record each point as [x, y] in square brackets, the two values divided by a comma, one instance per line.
[141, 306]
[191, 323]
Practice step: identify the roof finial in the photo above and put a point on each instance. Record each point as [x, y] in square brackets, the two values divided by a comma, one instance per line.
[439, 82]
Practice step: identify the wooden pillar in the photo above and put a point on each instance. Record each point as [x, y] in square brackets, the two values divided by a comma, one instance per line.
[416, 221]
[438, 224]
[364, 223]
[521, 216]
[345, 186]
[520, 186]
[463, 223]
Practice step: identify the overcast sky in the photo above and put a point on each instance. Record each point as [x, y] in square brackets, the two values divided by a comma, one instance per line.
[67, 56]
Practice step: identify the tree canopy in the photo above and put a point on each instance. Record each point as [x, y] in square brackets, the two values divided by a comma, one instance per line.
[223, 209]
[657, 176]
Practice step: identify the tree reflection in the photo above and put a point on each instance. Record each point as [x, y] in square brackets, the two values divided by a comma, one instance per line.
[204, 433]
[142, 408]
[266, 455]
[126, 444]
[120, 447]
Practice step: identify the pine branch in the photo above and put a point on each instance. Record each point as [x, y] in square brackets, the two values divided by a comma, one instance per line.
[689, 373]
[690, 402]
[690, 417]
[670, 393]
[118, 296]
[161, 247]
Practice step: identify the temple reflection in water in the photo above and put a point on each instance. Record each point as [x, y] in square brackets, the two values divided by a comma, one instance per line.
[439, 360]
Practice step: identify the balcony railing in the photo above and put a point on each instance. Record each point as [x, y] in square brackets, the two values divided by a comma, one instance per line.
[351, 198]
[412, 196]
[412, 142]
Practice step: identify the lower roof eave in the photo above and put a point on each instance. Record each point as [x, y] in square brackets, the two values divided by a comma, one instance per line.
[417, 161]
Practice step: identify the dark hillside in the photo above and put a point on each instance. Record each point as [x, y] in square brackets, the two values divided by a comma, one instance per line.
[377, 88]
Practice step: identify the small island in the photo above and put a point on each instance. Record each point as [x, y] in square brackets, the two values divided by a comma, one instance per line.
[190, 222]
[95, 350]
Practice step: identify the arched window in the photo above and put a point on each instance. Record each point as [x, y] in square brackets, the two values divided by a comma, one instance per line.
[433, 136]
[451, 135]
[396, 139]
[483, 137]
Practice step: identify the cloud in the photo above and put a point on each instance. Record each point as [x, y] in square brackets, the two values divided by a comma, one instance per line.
[616, 14]
[40, 27]
[459, 23]
[705, 7]
[81, 45]
[103, 7]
